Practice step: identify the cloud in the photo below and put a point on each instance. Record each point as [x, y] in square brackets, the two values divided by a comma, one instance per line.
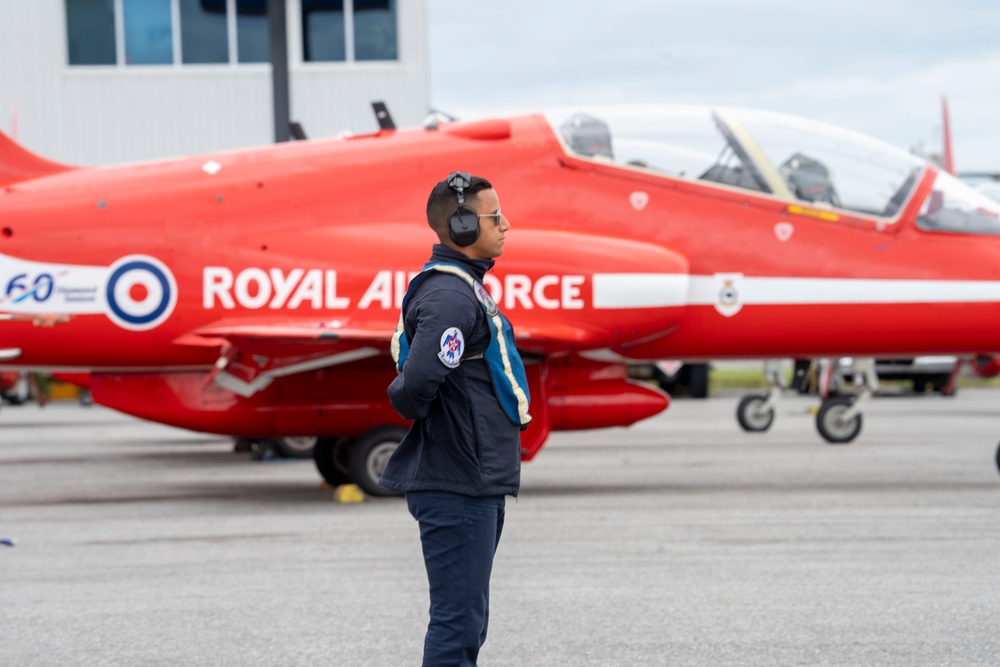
[879, 68]
[906, 109]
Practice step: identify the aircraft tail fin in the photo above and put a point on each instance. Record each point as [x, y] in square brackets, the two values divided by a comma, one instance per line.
[947, 157]
[19, 164]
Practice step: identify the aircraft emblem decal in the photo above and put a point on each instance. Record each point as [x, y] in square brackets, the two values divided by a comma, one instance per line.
[784, 230]
[729, 289]
[137, 292]
[141, 292]
[452, 347]
[639, 199]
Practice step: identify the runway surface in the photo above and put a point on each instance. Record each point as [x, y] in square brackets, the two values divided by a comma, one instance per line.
[680, 541]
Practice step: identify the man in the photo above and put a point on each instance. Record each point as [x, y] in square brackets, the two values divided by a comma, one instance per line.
[462, 382]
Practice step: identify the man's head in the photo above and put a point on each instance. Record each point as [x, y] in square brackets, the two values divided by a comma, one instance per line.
[479, 196]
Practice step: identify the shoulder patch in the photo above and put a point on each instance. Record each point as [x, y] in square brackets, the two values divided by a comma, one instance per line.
[452, 347]
[486, 299]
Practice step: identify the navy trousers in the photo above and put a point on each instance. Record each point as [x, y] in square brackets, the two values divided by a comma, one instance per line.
[459, 535]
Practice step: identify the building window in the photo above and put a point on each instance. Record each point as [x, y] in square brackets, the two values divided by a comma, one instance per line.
[323, 31]
[149, 35]
[197, 32]
[252, 30]
[204, 32]
[90, 32]
[142, 32]
[349, 30]
[375, 30]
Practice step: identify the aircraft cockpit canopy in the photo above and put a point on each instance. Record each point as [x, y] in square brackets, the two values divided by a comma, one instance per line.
[783, 156]
[954, 206]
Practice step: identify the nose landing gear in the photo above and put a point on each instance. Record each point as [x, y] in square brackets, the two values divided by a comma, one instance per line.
[755, 413]
[839, 417]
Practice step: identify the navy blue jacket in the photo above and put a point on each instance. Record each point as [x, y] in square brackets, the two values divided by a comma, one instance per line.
[461, 439]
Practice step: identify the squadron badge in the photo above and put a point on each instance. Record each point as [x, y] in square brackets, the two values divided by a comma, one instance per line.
[486, 299]
[452, 347]
[729, 287]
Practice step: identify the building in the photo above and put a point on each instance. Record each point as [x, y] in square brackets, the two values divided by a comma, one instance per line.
[96, 82]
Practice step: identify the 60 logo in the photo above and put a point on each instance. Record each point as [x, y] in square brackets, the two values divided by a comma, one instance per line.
[39, 289]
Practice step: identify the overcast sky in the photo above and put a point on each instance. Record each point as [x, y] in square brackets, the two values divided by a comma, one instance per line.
[877, 66]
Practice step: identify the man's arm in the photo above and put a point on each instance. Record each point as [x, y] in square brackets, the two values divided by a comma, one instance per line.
[444, 318]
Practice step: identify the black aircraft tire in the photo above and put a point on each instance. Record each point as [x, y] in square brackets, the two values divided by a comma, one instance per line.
[830, 422]
[749, 417]
[330, 457]
[998, 458]
[698, 381]
[369, 455]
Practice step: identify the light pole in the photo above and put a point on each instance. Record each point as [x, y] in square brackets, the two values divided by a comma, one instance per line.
[279, 68]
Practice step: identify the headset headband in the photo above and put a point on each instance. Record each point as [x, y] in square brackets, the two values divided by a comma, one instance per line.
[458, 181]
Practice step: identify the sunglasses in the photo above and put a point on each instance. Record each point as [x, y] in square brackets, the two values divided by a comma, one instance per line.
[495, 216]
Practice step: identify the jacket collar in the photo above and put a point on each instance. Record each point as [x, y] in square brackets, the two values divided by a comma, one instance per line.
[477, 268]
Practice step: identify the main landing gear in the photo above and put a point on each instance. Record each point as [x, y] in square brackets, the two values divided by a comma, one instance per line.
[838, 419]
[358, 460]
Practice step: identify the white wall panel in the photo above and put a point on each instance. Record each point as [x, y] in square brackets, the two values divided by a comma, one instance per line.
[107, 115]
[122, 115]
[32, 53]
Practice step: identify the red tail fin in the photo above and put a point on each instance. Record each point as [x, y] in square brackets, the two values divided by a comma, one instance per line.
[947, 159]
[19, 164]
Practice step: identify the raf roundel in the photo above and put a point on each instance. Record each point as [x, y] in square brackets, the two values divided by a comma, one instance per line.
[141, 292]
[452, 347]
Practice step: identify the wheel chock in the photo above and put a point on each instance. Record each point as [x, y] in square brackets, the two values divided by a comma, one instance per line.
[348, 493]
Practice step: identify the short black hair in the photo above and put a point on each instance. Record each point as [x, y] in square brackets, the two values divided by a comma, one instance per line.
[443, 200]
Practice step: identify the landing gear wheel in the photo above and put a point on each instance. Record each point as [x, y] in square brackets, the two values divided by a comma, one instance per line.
[998, 458]
[369, 455]
[698, 380]
[831, 423]
[330, 456]
[300, 447]
[750, 415]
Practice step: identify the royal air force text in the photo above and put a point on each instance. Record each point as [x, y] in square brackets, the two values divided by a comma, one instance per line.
[255, 288]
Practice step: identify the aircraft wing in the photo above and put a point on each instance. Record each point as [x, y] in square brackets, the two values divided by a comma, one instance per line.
[553, 338]
[293, 336]
[290, 331]
[255, 351]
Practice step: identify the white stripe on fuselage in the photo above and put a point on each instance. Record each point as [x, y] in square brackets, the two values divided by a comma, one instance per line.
[704, 291]
[640, 290]
[664, 290]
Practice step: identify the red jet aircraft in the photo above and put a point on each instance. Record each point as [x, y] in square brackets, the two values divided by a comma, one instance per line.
[254, 293]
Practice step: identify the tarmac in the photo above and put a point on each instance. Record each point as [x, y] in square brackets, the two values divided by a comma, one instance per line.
[679, 541]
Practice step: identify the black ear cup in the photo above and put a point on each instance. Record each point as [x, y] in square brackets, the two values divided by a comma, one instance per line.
[463, 226]
[463, 222]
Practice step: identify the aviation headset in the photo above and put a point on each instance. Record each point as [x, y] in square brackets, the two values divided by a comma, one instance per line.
[463, 222]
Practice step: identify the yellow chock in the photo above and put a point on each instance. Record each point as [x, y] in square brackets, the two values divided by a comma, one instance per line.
[813, 410]
[348, 493]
